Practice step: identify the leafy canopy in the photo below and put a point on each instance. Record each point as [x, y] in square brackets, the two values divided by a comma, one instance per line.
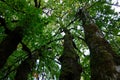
[42, 26]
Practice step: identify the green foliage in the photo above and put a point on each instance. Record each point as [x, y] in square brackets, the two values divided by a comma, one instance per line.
[42, 27]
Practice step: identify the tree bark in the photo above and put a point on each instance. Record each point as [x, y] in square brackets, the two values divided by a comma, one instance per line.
[70, 68]
[26, 66]
[9, 44]
[102, 60]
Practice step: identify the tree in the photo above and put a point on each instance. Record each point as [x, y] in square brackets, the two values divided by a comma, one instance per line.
[50, 39]
[103, 60]
[9, 44]
[70, 67]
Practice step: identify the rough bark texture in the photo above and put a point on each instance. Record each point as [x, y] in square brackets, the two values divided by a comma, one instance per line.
[102, 62]
[70, 68]
[9, 44]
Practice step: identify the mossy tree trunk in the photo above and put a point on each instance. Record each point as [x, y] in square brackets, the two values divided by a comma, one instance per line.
[70, 67]
[102, 57]
[104, 61]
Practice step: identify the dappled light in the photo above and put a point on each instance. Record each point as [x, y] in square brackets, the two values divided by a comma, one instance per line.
[59, 40]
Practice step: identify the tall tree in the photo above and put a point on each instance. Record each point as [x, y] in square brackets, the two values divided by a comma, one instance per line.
[70, 67]
[103, 60]
[63, 52]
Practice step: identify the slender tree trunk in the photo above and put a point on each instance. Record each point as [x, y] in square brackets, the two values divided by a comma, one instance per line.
[27, 65]
[24, 69]
[70, 68]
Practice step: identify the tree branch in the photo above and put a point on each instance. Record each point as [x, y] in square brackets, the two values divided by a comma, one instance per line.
[37, 3]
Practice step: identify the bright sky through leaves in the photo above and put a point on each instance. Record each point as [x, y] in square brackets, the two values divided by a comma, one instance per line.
[117, 8]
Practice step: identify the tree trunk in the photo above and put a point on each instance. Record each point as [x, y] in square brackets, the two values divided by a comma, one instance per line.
[70, 68]
[9, 44]
[26, 67]
[102, 60]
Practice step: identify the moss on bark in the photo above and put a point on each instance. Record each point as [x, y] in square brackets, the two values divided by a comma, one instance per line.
[70, 68]
[102, 60]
